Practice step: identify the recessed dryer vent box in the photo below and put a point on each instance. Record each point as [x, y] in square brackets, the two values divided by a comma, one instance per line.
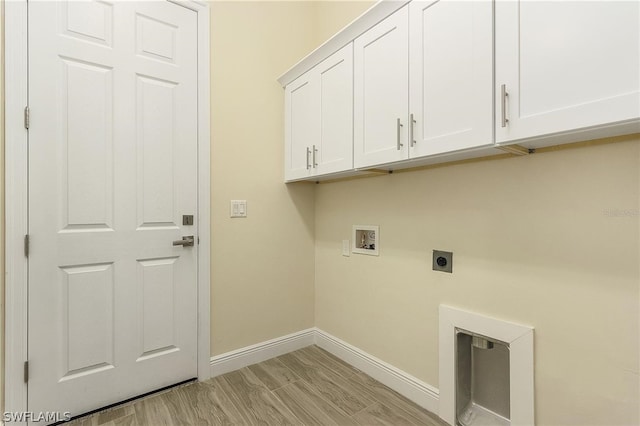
[482, 380]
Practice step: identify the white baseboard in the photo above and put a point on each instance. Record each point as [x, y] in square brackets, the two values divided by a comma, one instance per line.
[243, 357]
[405, 384]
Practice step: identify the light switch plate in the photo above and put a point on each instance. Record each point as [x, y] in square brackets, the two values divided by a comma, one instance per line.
[238, 208]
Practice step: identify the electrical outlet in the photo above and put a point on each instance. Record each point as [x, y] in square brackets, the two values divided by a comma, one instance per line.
[443, 261]
[346, 248]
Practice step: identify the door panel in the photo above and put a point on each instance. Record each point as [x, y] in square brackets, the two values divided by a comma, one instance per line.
[381, 86]
[112, 168]
[87, 306]
[301, 131]
[87, 144]
[155, 39]
[89, 21]
[451, 75]
[155, 137]
[591, 71]
[157, 279]
[335, 76]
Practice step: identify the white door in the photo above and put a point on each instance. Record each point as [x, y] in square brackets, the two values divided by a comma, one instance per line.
[565, 65]
[451, 75]
[301, 126]
[112, 170]
[381, 91]
[335, 75]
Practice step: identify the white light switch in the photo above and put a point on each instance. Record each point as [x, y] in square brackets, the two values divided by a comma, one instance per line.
[238, 208]
[346, 248]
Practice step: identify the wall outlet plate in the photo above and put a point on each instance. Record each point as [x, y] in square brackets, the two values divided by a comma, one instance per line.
[443, 261]
[346, 248]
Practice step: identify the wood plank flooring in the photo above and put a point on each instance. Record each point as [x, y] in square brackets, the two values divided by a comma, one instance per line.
[306, 387]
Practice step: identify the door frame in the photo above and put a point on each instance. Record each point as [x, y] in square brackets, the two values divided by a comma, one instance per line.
[16, 198]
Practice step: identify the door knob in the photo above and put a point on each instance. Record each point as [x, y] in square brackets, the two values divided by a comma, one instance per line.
[185, 241]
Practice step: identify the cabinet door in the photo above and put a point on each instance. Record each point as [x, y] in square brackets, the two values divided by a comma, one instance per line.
[301, 126]
[381, 61]
[451, 75]
[335, 83]
[565, 65]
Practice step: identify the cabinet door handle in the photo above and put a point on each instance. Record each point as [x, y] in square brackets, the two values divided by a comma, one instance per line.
[398, 126]
[412, 141]
[308, 152]
[504, 95]
[315, 151]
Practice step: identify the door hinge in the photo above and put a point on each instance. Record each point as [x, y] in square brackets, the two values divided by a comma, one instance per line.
[26, 245]
[26, 118]
[26, 371]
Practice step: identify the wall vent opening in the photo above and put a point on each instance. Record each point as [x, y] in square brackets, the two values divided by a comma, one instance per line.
[486, 370]
[482, 380]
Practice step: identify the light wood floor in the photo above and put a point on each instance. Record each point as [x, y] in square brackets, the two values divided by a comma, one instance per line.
[306, 387]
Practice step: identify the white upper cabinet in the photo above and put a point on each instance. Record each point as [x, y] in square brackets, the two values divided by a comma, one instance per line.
[301, 126]
[565, 65]
[451, 76]
[429, 81]
[381, 91]
[335, 77]
[424, 82]
[319, 119]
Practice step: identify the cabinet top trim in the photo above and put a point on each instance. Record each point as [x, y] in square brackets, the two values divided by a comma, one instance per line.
[368, 19]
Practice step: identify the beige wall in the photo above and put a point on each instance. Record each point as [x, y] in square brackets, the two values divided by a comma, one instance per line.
[534, 242]
[262, 266]
[331, 16]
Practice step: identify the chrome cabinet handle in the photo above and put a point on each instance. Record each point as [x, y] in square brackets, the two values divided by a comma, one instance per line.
[398, 126]
[308, 152]
[412, 121]
[504, 95]
[315, 151]
[185, 241]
